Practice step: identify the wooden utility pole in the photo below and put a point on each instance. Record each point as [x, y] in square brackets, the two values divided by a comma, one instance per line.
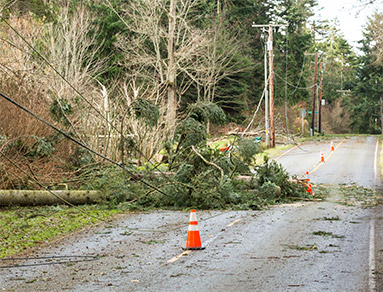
[320, 99]
[271, 84]
[267, 139]
[314, 95]
[271, 81]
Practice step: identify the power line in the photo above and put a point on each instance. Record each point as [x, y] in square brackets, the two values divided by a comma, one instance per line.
[81, 144]
[255, 113]
[300, 75]
[81, 95]
[287, 59]
[300, 88]
[48, 190]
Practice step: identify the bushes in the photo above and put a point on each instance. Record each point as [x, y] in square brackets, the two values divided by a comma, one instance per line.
[271, 176]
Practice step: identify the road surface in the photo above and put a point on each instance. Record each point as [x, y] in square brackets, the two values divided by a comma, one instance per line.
[309, 246]
[353, 161]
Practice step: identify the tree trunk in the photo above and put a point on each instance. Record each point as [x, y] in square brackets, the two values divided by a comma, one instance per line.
[381, 114]
[172, 97]
[31, 198]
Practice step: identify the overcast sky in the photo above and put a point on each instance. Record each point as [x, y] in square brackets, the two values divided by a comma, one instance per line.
[352, 16]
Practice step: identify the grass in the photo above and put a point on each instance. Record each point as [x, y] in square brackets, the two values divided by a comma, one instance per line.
[272, 152]
[218, 143]
[27, 227]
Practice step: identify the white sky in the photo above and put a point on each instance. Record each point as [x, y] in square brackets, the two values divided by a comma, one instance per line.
[352, 16]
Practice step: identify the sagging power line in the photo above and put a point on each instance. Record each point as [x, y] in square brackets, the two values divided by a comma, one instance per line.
[270, 134]
[81, 96]
[66, 135]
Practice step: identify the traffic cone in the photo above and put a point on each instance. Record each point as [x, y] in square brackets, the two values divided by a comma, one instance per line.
[332, 146]
[307, 179]
[193, 241]
[321, 157]
[310, 189]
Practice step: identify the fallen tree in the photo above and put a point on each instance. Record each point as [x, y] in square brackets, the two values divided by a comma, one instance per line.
[38, 197]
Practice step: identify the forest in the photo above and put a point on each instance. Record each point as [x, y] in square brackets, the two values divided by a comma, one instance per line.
[130, 97]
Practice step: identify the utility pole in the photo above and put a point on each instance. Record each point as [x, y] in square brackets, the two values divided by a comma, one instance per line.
[271, 78]
[271, 70]
[314, 95]
[320, 99]
[266, 100]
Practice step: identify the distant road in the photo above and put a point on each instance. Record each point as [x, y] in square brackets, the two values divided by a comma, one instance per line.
[353, 161]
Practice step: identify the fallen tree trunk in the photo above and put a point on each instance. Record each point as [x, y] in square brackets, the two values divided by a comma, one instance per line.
[31, 198]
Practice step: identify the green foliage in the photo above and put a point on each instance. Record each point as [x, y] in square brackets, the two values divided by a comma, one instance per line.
[112, 181]
[247, 149]
[184, 173]
[59, 109]
[368, 90]
[81, 157]
[190, 133]
[111, 26]
[147, 111]
[42, 148]
[41, 9]
[205, 112]
[271, 175]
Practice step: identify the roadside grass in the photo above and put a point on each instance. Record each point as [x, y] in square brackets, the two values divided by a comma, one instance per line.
[272, 152]
[23, 228]
[218, 143]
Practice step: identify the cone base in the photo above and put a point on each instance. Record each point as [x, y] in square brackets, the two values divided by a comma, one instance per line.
[194, 248]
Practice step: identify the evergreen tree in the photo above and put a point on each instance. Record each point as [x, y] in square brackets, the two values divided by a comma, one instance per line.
[366, 105]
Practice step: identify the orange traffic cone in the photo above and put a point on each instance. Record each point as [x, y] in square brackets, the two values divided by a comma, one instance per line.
[321, 157]
[307, 179]
[332, 146]
[310, 189]
[193, 241]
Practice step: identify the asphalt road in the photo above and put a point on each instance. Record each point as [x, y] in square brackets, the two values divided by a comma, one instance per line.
[353, 161]
[310, 246]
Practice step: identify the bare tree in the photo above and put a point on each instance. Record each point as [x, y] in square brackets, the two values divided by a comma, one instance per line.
[375, 32]
[71, 48]
[146, 58]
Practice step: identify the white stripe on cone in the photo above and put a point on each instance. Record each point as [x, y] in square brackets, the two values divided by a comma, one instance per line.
[193, 228]
[193, 216]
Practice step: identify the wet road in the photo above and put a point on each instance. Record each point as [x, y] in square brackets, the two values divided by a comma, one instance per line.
[311, 246]
[353, 161]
